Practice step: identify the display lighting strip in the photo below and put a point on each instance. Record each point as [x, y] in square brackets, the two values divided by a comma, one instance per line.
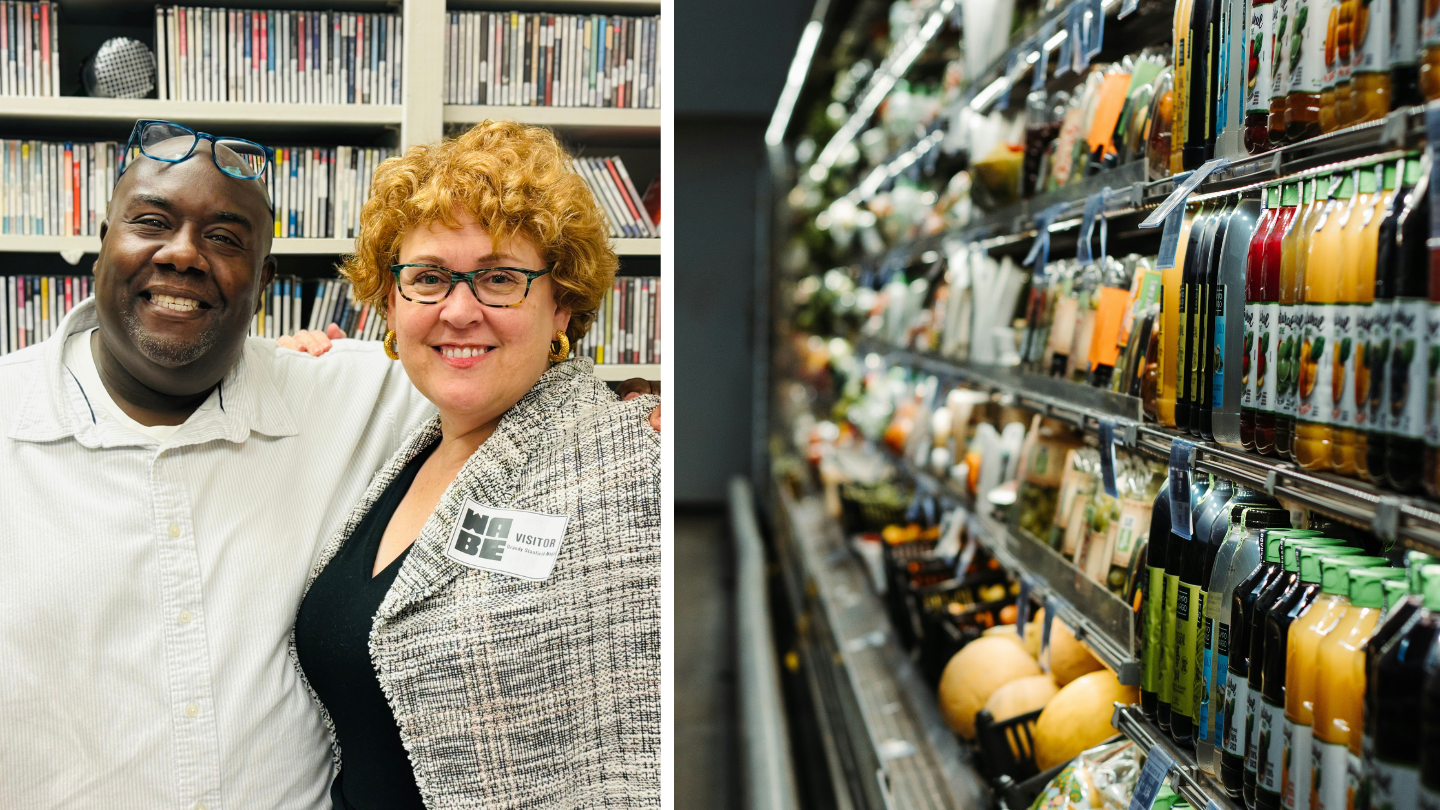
[890, 72]
[794, 80]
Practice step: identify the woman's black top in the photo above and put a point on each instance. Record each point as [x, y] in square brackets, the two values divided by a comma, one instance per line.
[332, 639]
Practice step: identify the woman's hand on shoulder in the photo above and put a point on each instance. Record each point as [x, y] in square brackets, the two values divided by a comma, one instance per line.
[634, 387]
[312, 342]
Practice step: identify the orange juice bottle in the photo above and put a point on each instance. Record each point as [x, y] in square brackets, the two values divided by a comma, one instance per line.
[1344, 57]
[1316, 360]
[1348, 314]
[1332, 66]
[1283, 19]
[1180, 123]
[1373, 323]
[1305, 62]
[1292, 247]
[1370, 62]
[1340, 685]
[1170, 328]
[1430, 46]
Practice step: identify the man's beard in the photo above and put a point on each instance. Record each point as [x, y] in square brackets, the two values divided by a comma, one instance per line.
[170, 353]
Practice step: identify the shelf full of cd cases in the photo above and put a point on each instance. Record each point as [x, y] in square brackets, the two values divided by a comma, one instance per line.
[879, 722]
[125, 111]
[1413, 521]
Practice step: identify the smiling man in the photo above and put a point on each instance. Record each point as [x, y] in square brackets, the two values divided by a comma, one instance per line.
[167, 484]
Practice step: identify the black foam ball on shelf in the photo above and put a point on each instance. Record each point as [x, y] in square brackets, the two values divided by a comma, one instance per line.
[121, 68]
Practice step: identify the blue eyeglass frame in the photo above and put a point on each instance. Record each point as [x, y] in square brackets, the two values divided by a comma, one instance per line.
[469, 278]
[136, 142]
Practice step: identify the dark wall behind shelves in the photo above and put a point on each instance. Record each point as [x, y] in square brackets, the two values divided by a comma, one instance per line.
[730, 64]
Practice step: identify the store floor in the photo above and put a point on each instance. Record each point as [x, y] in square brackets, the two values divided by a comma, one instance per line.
[706, 748]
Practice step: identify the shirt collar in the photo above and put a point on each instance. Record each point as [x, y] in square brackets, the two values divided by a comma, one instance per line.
[56, 407]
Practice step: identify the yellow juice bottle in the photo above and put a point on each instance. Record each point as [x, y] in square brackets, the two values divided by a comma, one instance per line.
[1170, 327]
[1340, 690]
[1375, 320]
[1315, 613]
[1370, 62]
[1318, 352]
[1292, 247]
[1180, 123]
[1348, 314]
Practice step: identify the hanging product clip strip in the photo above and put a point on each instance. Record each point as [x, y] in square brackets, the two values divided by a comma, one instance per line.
[1039, 253]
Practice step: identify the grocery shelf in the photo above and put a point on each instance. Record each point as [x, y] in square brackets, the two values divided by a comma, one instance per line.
[880, 724]
[1194, 785]
[615, 372]
[1413, 521]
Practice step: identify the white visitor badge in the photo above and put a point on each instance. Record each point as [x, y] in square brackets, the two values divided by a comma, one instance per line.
[507, 541]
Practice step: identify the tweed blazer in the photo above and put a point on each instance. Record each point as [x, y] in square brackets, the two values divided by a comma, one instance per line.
[517, 694]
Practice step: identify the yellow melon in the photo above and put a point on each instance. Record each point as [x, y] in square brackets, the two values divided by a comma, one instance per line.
[1005, 631]
[972, 676]
[1078, 717]
[1022, 696]
[1069, 659]
[1033, 631]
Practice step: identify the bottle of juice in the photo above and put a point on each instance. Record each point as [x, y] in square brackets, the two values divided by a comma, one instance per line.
[1199, 558]
[1198, 116]
[1370, 62]
[1220, 579]
[1293, 248]
[1432, 422]
[1311, 622]
[1172, 296]
[1430, 43]
[1174, 564]
[1369, 373]
[1409, 376]
[1254, 304]
[1284, 21]
[1405, 54]
[1267, 290]
[1340, 684]
[1180, 127]
[1222, 422]
[1277, 617]
[1185, 675]
[1155, 557]
[1345, 55]
[1394, 688]
[1259, 58]
[1200, 232]
[1330, 66]
[1305, 58]
[1318, 353]
[1351, 312]
[1214, 72]
[1382, 323]
[1230, 682]
[1253, 596]
[1202, 359]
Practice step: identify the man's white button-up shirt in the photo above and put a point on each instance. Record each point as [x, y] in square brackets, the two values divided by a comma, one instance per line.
[147, 590]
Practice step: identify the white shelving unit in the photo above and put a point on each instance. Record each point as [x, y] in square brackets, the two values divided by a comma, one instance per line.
[621, 121]
[124, 111]
[615, 372]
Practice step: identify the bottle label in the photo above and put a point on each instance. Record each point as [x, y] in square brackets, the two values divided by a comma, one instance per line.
[1330, 67]
[1295, 768]
[1167, 660]
[1218, 683]
[1288, 355]
[1394, 786]
[1252, 724]
[1404, 39]
[1346, 328]
[1217, 362]
[1267, 346]
[1432, 418]
[1377, 363]
[1249, 379]
[1202, 725]
[1201, 338]
[1133, 527]
[1259, 53]
[1231, 722]
[1430, 26]
[1182, 695]
[1154, 608]
[1062, 327]
[1371, 35]
[1409, 368]
[1305, 46]
[1317, 372]
[1279, 47]
[1269, 774]
[1182, 363]
[1329, 766]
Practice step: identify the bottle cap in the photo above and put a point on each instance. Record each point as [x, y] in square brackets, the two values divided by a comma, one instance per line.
[1415, 562]
[1307, 559]
[1347, 187]
[1271, 546]
[1290, 195]
[1412, 171]
[1389, 182]
[1367, 178]
[1396, 589]
[1430, 574]
[1290, 553]
[1334, 573]
[1368, 586]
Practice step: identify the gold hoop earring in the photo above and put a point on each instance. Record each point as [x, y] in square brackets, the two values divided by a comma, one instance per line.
[559, 355]
[391, 351]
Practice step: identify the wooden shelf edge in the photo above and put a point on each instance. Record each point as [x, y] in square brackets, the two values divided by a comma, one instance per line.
[81, 108]
[587, 117]
[615, 372]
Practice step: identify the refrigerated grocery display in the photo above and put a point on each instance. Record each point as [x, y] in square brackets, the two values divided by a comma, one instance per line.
[1101, 345]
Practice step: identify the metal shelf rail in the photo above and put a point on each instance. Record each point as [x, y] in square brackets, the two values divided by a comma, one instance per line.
[1198, 788]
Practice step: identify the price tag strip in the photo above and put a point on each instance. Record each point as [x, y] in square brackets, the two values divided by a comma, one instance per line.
[1182, 191]
[1107, 457]
[1158, 765]
[1180, 450]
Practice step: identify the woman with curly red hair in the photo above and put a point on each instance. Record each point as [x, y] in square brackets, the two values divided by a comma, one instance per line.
[484, 631]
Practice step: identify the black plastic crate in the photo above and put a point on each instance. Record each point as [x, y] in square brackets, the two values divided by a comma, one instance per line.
[1007, 747]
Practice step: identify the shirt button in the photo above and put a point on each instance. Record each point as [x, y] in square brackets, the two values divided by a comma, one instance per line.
[200, 806]
[191, 710]
[174, 529]
[184, 617]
